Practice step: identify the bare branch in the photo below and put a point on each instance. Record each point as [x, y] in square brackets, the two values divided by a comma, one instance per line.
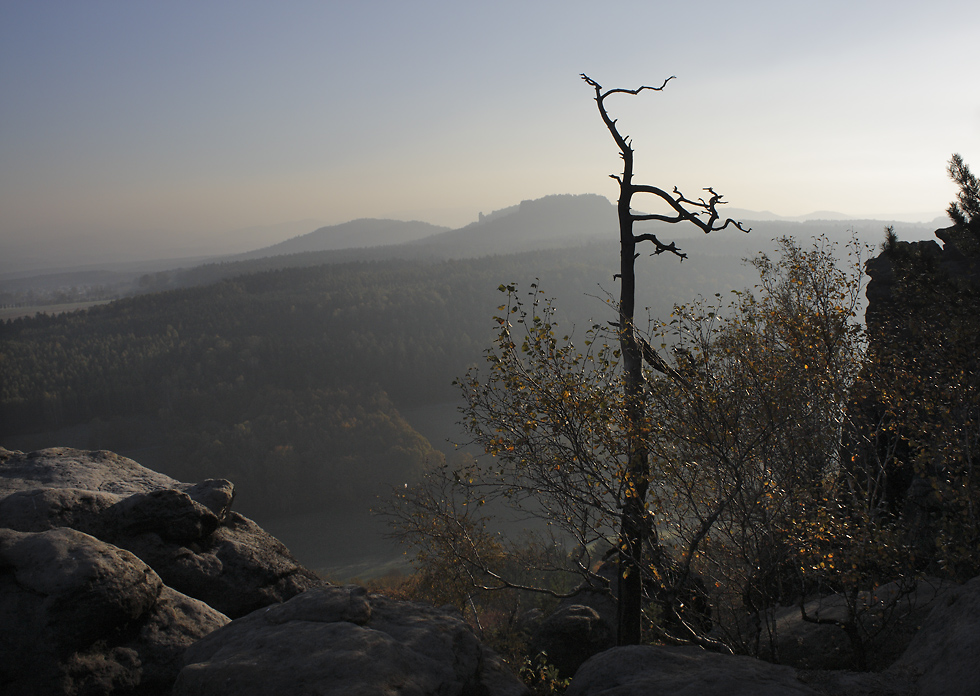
[661, 247]
[603, 95]
[657, 363]
[678, 200]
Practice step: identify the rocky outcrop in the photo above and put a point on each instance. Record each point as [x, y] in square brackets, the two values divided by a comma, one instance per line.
[919, 389]
[81, 616]
[885, 623]
[109, 570]
[684, 671]
[954, 266]
[943, 653]
[644, 669]
[186, 532]
[342, 640]
[940, 660]
[115, 579]
[570, 636]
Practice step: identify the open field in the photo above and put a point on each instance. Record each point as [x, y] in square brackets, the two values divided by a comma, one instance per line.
[17, 312]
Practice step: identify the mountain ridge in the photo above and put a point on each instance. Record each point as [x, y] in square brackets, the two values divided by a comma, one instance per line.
[354, 234]
[554, 221]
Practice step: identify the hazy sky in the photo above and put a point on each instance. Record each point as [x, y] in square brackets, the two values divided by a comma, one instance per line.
[177, 119]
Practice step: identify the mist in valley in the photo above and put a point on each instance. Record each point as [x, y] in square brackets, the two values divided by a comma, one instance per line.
[319, 380]
[254, 244]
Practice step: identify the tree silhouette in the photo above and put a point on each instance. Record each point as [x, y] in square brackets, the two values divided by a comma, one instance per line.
[636, 530]
[965, 210]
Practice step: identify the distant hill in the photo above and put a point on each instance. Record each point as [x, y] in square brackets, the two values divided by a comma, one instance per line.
[356, 234]
[552, 222]
[931, 219]
[558, 220]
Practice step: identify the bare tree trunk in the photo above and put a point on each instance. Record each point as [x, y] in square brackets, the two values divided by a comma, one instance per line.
[635, 528]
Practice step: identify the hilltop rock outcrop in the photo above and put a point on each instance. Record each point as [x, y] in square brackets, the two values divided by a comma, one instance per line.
[115, 579]
[109, 571]
[940, 660]
[186, 532]
[81, 616]
[342, 640]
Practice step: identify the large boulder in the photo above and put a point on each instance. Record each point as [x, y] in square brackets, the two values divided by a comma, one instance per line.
[81, 616]
[186, 532]
[109, 570]
[943, 654]
[344, 641]
[886, 622]
[114, 579]
[571, 636]
[940, 660]
[644, 670]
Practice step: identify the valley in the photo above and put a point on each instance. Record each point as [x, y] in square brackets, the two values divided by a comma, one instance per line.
[317, 380]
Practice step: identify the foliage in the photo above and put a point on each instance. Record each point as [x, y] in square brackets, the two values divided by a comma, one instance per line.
[748, 440]
[751, 503]
[965, 210]
[549, 419]
[768, 488]
[542, 677]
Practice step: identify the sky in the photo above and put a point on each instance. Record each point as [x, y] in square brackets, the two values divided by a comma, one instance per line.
[154, 126]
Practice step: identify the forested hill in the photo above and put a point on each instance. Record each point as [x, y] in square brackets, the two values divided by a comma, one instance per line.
[355, 234]
[281, 380]
[292, 375]
[552, 221]
[546, 223]
[549, 222]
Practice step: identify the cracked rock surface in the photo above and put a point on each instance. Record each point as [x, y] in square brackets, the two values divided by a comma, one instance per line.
[343, 640]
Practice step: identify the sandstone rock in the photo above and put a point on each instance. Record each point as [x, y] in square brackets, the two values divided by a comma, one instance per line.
[109, 571]
[599, 594]
[888, 619]
[944, 654]
[185, 532]
[237, 569]
[647, 670]
[650, 670]
[63, 467]
[82, 616]
[40, 509]
[570, 636]
[341, 640]
[168, 513]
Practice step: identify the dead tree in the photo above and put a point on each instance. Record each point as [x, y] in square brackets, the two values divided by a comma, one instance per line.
[636, 529]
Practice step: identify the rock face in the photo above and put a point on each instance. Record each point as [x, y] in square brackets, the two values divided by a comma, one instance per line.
[920, 390]
[109, 570]
[943, 654]
[185, 532]
[940, 660]
[341, 640]
[645, 669]
[81, 616]
[807, 645]
[114, 579]
[570, 636]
